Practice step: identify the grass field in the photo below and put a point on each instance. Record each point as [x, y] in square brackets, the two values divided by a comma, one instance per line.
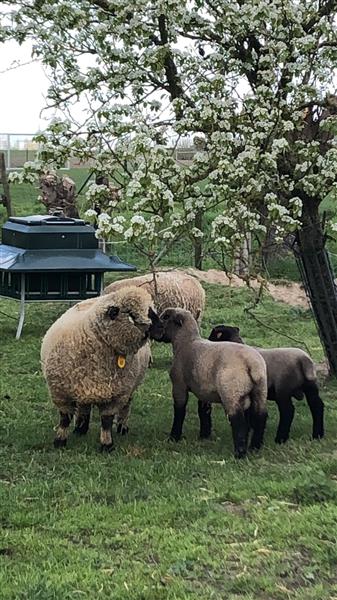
[156, 520]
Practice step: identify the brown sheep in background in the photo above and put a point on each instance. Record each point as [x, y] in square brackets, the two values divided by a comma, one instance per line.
[173, 289]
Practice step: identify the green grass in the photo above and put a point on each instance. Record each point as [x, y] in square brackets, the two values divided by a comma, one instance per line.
[156, 520]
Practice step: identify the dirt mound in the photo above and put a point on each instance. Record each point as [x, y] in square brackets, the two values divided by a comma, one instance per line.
[292, 293]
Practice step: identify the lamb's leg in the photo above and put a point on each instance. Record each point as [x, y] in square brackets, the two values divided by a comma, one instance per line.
[286, 410]
[239, 424]
[107, 414]
[180, 398]
[316, 406]
[123, 417]
[205, 417]
[82, 419]
[258, 424]
[258, 413]
[66, 411]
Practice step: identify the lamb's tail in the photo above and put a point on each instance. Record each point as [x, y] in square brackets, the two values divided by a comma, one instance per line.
[315, 403]
[258, 408]
[308, 369]
[258, 375]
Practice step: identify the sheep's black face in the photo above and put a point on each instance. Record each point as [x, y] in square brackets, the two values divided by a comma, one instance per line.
[225, 333]
[171, 321]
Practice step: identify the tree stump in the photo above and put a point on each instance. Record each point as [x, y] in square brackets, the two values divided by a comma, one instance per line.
[58, 193]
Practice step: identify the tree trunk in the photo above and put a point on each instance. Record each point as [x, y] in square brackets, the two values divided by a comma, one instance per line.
[198, 243]
[318, 279]
[242, 266]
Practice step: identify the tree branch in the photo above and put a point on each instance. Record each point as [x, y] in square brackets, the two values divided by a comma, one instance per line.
[174, 84]
[325, 9]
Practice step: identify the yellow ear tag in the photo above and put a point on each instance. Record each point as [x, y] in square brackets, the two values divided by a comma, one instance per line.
[121, 361]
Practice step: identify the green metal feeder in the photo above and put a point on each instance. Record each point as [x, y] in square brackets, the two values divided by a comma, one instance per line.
[52, 258]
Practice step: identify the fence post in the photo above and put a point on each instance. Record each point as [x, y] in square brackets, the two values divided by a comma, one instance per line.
[6, 196]
[8, 151]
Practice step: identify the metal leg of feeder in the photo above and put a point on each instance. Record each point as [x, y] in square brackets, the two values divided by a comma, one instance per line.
[22, 307]
[102, 285]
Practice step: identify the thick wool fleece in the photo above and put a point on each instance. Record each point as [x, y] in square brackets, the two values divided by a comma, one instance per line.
[174, 289]
[80, 351]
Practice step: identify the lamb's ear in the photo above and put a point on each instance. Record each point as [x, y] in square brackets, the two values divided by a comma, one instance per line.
[236, 329]
[178, 320]
[219, 335]
[197, 314]
[113, 311]
[153, 315]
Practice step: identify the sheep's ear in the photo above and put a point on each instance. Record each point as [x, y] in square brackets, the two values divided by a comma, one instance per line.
[113, 312]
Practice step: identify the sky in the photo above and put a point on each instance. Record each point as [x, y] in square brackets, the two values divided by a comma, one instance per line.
[23, 91]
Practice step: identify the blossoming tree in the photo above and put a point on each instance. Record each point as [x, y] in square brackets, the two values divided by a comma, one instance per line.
[254, 79]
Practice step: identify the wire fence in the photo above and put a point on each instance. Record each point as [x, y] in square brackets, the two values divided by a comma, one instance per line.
[20, 148]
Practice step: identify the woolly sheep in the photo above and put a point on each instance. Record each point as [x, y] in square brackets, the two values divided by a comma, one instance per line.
[97, 353]
[230, 374]
[174, 289]
[290, 372]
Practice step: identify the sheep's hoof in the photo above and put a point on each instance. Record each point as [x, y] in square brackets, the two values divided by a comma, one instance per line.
[106, 448]
[318, 436]
[174, 438]
[280, 440]
[81, 430]
[205, 435]
[122, 429]
[59, 443]
[240, 453]
[254, 448]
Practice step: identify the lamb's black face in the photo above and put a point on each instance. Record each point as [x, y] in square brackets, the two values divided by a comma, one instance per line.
[225, 333]
[171, 320]
[156, 329]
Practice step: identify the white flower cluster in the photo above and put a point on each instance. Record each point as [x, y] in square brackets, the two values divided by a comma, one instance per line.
[107, 226]
[239, 93]
[103, 195]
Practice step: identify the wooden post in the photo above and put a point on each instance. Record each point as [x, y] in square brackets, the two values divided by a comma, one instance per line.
[6, 196]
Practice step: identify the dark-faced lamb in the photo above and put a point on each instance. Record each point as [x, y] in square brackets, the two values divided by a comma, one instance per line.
[290, 373]
[230, 374]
